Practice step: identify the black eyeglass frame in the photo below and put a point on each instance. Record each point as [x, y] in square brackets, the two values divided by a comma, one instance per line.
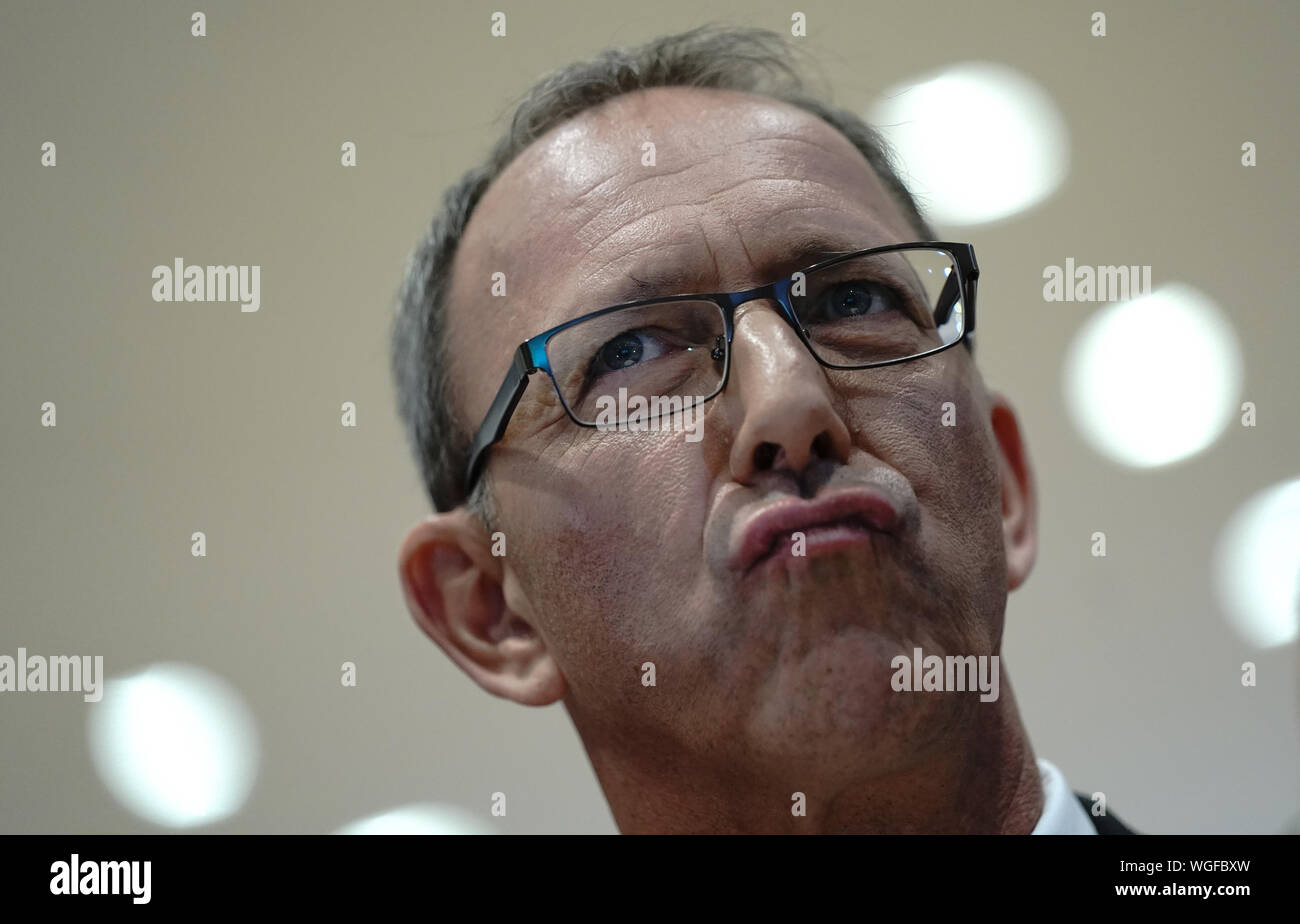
[531, 355]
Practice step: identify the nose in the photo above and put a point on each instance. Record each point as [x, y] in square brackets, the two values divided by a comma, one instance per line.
[787, 421]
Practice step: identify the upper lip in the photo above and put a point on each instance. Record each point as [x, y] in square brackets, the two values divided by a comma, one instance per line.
[753, 536]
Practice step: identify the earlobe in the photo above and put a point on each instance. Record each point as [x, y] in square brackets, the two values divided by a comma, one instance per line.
[453, 587]
[1019, 500]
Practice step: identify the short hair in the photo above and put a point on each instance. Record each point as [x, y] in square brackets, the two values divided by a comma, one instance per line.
[716, 57]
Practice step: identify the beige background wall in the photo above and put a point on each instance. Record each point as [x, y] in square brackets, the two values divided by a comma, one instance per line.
[178, 417]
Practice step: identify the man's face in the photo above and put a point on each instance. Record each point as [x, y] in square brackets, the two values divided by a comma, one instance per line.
[627, 548]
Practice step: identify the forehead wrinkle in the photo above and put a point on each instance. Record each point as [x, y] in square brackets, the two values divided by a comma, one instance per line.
[804, 174]
[558, 159]
[791, 169]
[623, 169]
[623, 197]
[598, 201]
[676, 237]
[875, 230]
[629, 225]
[701, 203]
[608, 266]
[766, 263]
[705, 123]
[856, 230]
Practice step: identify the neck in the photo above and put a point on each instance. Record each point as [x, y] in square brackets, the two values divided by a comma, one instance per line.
[983, 779]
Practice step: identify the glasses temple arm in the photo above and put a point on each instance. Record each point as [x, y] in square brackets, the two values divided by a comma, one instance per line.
[948, 298]
[498, 416]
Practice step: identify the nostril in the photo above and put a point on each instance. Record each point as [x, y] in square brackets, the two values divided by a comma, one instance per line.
[765, 456]
[822, 446]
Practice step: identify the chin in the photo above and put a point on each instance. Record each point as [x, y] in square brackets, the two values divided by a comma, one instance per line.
[831, 701]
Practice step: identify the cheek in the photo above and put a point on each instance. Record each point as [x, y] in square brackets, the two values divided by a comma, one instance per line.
[610, 563]
[928, 423]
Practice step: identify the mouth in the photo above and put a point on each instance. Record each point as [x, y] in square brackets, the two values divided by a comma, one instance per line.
[794, 528]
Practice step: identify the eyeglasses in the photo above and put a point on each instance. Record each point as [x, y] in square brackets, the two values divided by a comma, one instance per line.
[855, 310]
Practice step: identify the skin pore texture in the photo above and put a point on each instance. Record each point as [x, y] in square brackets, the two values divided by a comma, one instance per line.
[620, 546]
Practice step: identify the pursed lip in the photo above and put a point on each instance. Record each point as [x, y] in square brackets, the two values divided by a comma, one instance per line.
[755, 536]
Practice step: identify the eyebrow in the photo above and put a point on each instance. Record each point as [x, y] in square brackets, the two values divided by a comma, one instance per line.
[806, 250]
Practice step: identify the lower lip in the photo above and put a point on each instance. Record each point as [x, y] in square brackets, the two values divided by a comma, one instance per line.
[818, 540]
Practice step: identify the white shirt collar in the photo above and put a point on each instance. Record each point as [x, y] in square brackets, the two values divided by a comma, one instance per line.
[1062, 812]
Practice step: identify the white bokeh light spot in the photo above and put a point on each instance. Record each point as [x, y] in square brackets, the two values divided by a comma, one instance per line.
[419, 818]
[1153, 380]
[175, 744]
[976, 142]
[1257, 567]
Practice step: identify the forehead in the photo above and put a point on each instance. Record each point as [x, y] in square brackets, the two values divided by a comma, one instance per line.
[712, 183]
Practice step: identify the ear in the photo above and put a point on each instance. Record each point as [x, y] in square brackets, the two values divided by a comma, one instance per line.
[454, 589]
[1019, 502]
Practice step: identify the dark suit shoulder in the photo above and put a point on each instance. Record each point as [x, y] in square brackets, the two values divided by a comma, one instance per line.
[1105, 824]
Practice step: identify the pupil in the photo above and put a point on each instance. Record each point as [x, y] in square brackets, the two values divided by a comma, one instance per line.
[621, 352]
[852, 301]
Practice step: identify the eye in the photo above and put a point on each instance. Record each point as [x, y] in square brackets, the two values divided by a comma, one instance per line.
[857, 297]
[627, 349]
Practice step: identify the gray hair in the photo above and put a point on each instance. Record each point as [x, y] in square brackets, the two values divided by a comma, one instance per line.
[717, 57]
